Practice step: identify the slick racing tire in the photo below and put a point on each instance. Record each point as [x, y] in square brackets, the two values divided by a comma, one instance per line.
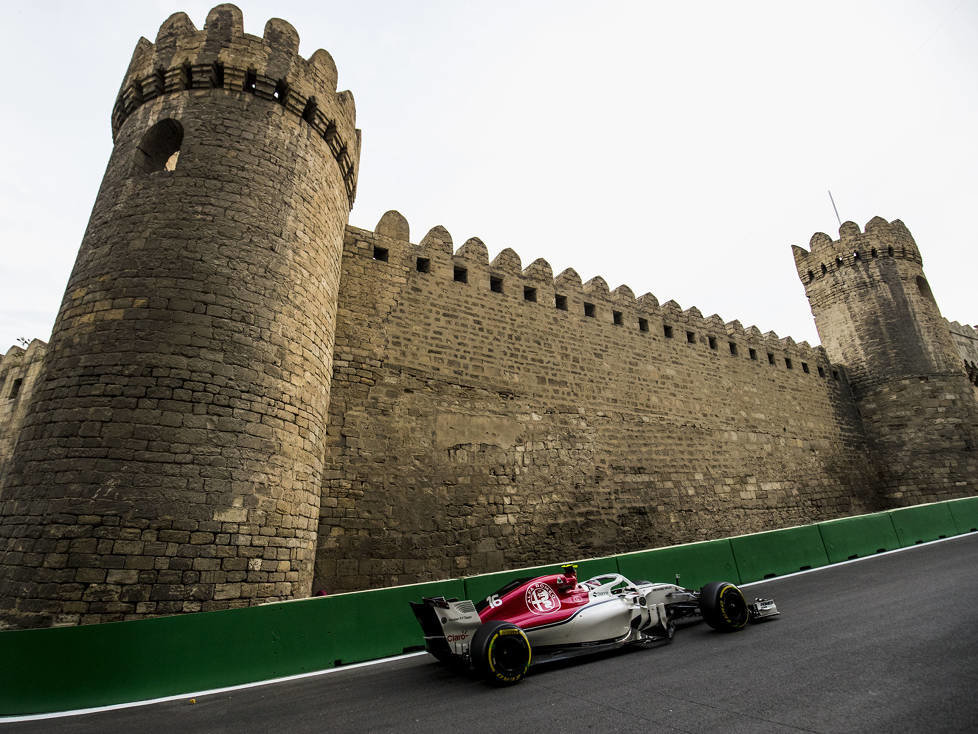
[500, 653]
[724, 607]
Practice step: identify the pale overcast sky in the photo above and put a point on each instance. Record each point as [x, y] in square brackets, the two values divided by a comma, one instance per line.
[678, 148]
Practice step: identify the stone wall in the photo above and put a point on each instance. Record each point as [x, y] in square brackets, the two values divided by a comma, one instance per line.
[19, 369]
[484, 420]
[965, 338]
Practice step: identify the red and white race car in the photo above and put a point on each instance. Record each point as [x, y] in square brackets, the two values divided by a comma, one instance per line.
[534, 620]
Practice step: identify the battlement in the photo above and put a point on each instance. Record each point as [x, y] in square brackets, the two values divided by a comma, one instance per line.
[592, 301]
[16, 366]
[865, 289]
[19, 370]
[965, 339]
[18, 355]
[223, 56]
[964, 330]
[881, 239]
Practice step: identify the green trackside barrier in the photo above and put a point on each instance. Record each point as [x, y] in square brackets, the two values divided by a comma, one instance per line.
[777, 552]
[965, 514]
[379, 623]
[922, 523]
[863, 535]
[479, 587]
[66, 668]
[696, 563]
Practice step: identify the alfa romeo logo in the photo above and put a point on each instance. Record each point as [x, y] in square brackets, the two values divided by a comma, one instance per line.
[541, 599]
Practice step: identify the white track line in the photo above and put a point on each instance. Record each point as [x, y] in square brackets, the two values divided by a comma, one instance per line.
[381, 661]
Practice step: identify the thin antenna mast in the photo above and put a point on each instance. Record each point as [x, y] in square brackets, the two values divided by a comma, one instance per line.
[834, 208]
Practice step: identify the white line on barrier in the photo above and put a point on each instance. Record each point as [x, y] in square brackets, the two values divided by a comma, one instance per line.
[255, 684]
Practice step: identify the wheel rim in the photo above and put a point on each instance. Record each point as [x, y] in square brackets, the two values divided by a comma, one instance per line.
[509, 654]
[733, 606]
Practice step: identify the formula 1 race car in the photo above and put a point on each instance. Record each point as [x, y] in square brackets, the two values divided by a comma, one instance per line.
[548, 618]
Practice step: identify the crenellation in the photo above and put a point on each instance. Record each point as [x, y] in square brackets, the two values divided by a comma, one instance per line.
[222, 56]
[282, 37]
[648, 304]
[598, 287]
[322, 64]
[394, 225]
[568, 279]
[508, 263]
[539, 273]
[171, 31]
[438, 236]
[569, 288]
[848, 233]
[965, 340]
[672, 309]
[623, 296]
[881, 240]
[474, 252]
[878, 223]
[20, 370]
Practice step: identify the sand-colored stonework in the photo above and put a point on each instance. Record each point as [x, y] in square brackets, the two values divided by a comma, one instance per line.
[246, 399]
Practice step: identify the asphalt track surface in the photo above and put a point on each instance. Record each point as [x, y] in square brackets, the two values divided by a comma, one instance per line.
[888, 644]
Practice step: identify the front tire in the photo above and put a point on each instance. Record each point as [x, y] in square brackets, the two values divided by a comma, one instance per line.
[724, 607]
[501, 653]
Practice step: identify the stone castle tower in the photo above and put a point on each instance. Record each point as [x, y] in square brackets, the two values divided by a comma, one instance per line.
[185, 394]
[876, 314]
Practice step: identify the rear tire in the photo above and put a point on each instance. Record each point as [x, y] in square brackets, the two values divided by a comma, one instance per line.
[724, 607]
[500, 653]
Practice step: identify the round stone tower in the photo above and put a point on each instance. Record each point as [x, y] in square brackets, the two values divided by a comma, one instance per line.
[172, 454]
[876, 314]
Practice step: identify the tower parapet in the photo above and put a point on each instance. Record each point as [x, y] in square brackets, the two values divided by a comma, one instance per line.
[965, 338]
[19, 369]
[876, 314]
[223, 56]
[177, 426]
[873, 307]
